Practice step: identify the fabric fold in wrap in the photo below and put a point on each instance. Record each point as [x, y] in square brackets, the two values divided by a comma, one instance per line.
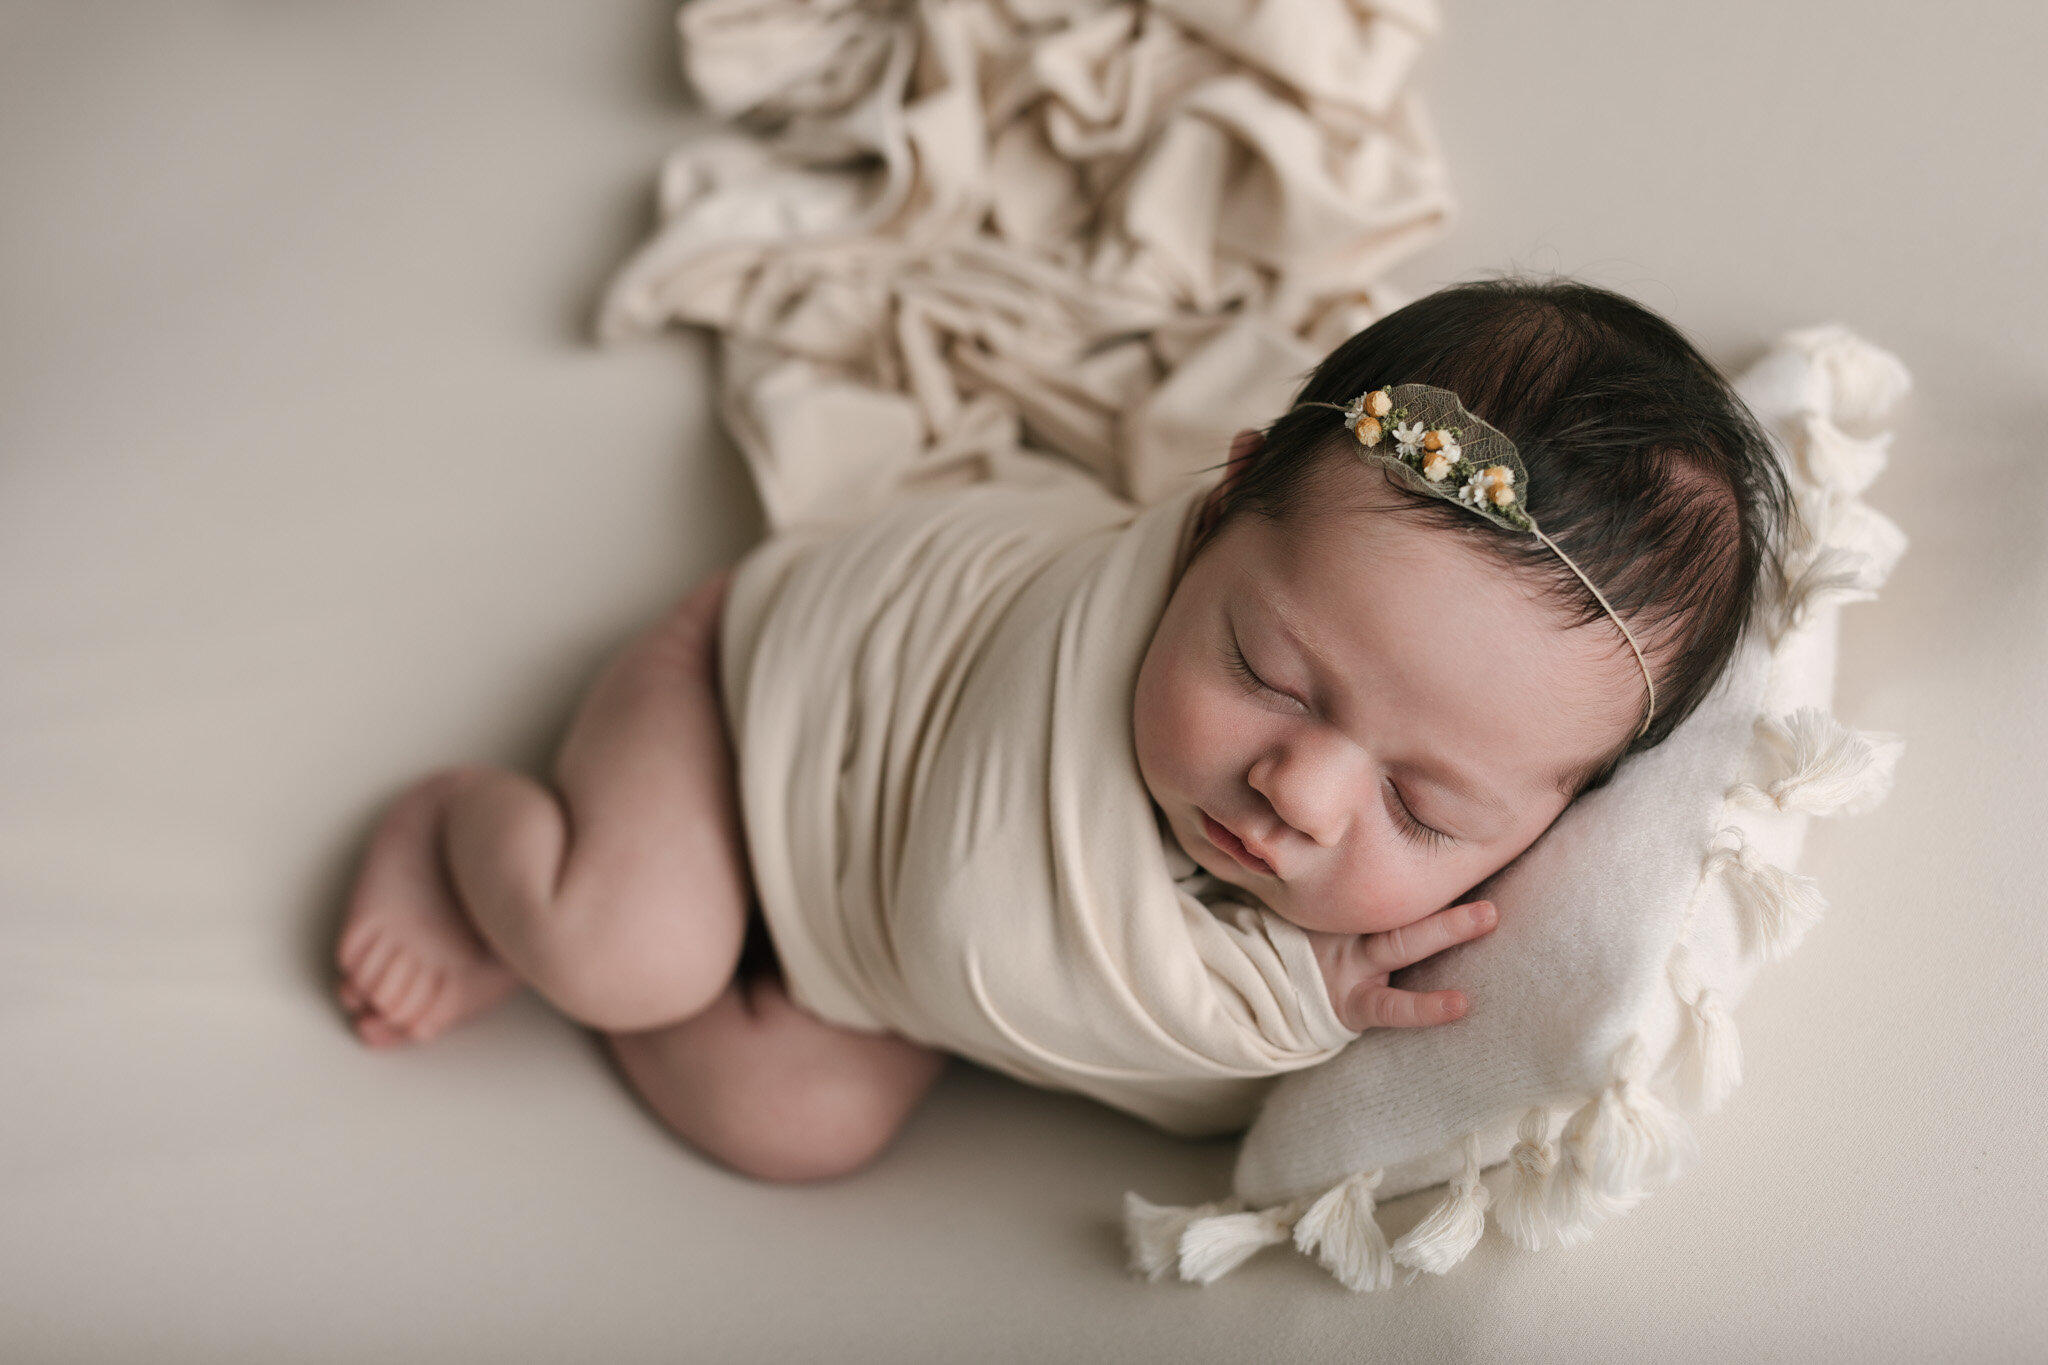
[942, 233]
[950, 836]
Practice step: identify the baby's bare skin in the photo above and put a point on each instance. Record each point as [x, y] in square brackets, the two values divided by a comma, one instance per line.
[621, 895]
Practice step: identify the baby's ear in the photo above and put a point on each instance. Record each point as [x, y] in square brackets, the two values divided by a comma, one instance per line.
[1243, 446]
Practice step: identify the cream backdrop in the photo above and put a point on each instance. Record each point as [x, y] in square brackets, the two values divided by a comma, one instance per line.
[309, 478]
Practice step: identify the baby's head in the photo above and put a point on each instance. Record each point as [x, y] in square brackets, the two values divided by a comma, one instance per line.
[1362, 701]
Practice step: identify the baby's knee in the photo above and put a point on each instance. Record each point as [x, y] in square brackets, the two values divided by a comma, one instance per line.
[613, 979]
[721, 1083]
[800, 1129]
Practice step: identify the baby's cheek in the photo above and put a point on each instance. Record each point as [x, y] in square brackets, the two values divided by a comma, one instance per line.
[1165, 722]
[1373, 891]
[1151, 725]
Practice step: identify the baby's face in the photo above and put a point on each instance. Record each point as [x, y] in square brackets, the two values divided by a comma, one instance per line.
[1358, 716]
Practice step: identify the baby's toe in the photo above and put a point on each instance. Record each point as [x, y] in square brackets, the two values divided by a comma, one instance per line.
[387, 993]
[436, 1010]
[355, 943]
[407, 1004]
[376, 968]
[377, 1031]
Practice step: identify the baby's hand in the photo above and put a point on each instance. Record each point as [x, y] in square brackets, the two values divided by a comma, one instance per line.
[1356, 968]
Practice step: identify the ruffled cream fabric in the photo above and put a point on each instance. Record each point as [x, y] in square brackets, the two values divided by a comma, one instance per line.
[949, 834]
[946, 230]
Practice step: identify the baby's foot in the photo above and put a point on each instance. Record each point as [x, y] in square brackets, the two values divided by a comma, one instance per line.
[411, 965]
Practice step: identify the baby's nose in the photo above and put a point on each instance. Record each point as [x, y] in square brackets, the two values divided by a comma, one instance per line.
[1309, 794]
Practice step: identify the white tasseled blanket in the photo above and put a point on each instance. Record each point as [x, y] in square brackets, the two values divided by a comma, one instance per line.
[949, 833]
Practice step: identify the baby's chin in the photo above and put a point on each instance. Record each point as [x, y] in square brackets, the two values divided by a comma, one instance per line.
[1315, 913]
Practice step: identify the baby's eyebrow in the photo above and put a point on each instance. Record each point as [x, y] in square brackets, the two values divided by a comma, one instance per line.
[1299, 632]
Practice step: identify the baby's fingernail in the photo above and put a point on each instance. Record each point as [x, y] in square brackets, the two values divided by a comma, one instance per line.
[1483, 913]
[1454, 1007]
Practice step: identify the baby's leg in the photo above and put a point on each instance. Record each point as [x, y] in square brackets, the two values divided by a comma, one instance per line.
[411, 966]
[774, 1092]
[620, 894]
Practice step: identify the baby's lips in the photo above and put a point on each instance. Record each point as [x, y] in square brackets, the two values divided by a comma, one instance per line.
[1259, 851]
[1239, 849]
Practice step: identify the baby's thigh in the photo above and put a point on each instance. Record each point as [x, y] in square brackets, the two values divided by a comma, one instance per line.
[650, 901]
[775, 1092]
[649, 748]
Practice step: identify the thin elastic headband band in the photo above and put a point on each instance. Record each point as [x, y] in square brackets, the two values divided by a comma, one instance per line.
[1649, 683]
[1439, 447]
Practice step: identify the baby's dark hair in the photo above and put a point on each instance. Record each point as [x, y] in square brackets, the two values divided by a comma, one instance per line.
[1644, 466]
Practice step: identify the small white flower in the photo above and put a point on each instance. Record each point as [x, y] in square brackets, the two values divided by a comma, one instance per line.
[1353, 411]
[1409, 434]
[1493, 486]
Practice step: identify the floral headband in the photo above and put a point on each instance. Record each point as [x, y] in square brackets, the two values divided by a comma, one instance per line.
[1440, 449]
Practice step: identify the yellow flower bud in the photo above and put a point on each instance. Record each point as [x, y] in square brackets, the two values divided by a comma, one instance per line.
[1367, 431]
[1379, 403]
[1498, 481]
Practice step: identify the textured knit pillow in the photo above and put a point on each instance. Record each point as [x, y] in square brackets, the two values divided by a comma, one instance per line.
[1625, 936]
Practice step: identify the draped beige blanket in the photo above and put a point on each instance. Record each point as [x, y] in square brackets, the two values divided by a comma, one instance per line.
[948, 830]
[942, 231]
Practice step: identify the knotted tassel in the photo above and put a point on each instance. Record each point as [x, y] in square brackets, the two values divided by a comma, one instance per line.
[1859, 382]
[1843, 464]
[1152, 1231]
[1453, 1227]
[1710, 1053]
[1828, 371]
[1524, 1212]
[1858, 527]
[1828, 769]
[1777, 906]
[1579, 1186]
[1340, 1230]
[1832, 577]
[1613, 1147]
[1213, 1246]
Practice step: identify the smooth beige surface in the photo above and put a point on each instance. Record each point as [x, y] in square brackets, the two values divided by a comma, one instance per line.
[308, 480]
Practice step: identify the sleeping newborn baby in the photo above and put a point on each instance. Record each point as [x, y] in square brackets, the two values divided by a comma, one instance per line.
[1144, 804]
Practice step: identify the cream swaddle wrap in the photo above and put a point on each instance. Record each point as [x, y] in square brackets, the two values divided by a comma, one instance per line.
[949, 833]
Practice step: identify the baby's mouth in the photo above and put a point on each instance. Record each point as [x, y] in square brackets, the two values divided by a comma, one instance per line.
[1222, 838]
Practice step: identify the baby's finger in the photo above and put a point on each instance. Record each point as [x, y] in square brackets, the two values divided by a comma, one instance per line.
[1376, 1006]
[1408, 945]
